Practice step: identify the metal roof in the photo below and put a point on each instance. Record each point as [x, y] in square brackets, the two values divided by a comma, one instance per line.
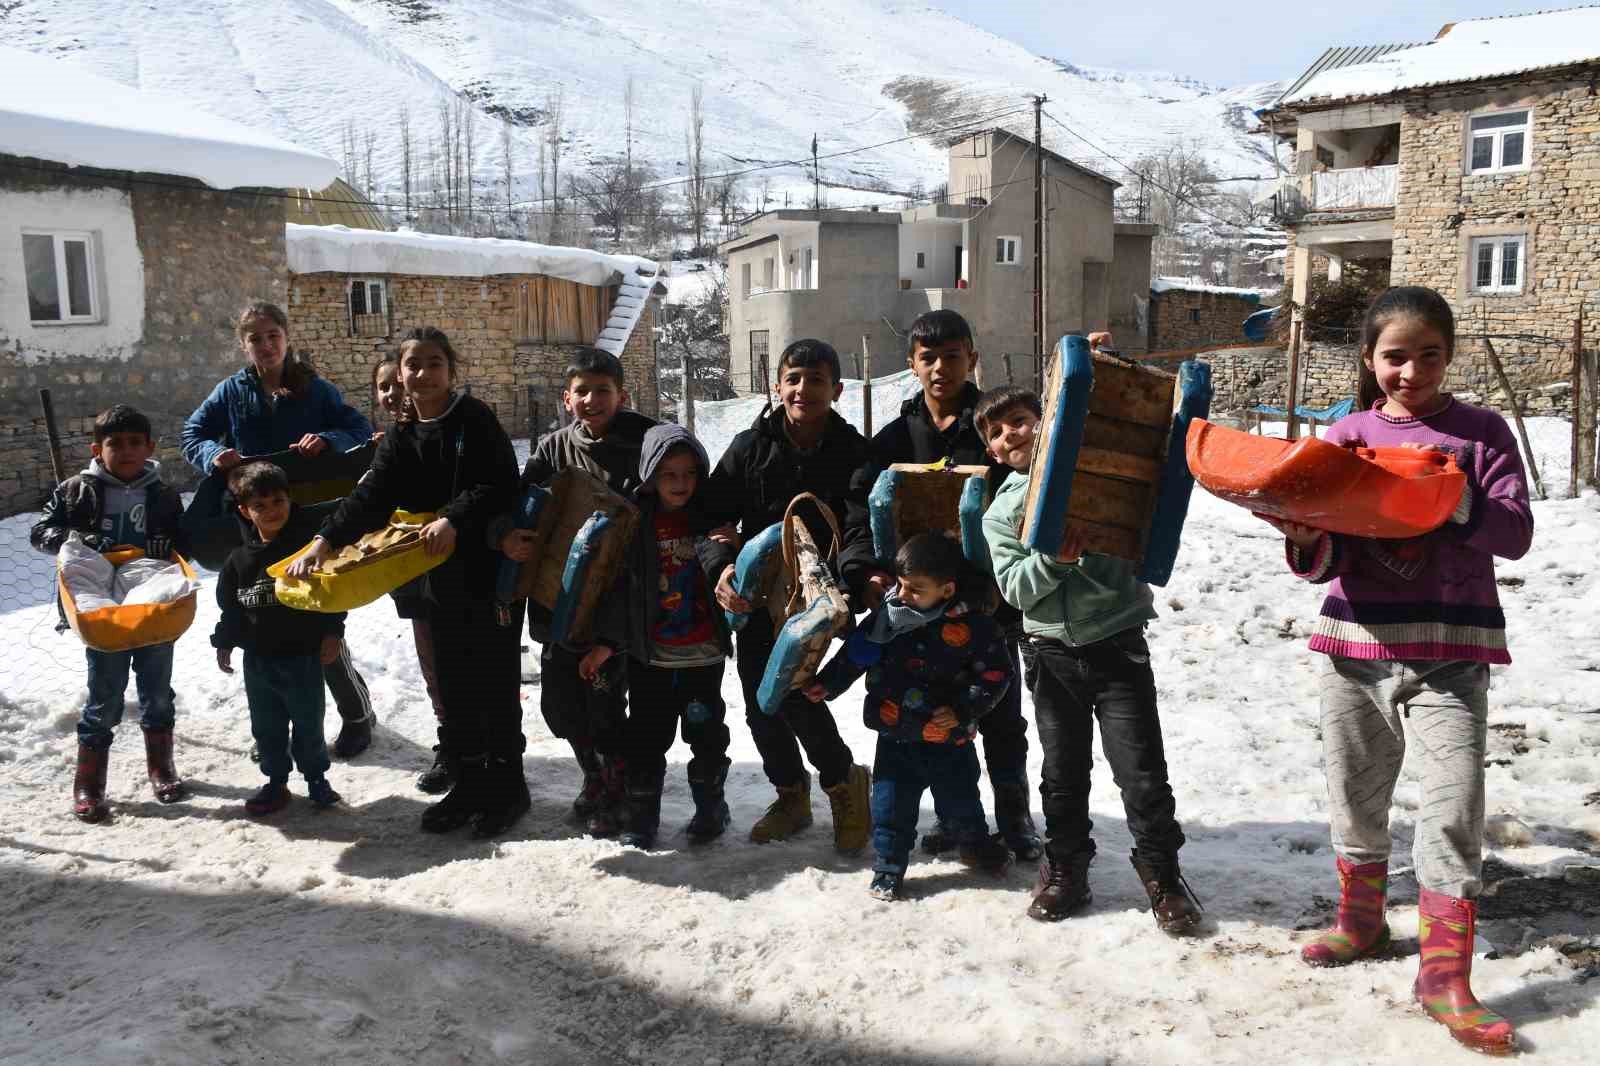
[337, 205]
[1343, 56]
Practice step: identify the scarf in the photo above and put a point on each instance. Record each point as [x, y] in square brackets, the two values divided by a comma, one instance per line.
[895, 618]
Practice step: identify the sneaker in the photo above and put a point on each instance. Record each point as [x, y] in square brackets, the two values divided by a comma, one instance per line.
[852, 810]
[269, 798]
[1172, 902]
[990, 855]
[1062, 889]
[322, 793]
[886, 887]
[787, 815]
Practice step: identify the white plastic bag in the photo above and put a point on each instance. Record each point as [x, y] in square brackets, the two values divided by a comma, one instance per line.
[88, 574]
[150, 581]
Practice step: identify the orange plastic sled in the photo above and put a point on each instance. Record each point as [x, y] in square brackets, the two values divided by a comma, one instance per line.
[1388, 493]
[125, 627]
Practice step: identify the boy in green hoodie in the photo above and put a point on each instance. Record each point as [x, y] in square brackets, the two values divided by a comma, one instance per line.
[1084, 658]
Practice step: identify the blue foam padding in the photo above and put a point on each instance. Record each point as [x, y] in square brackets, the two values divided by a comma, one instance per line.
[752, 570]
[1047, 521]
[789, 653]
[880, 508]
[526, 517]
[1172, 495]
[584, 548]
[973, 498]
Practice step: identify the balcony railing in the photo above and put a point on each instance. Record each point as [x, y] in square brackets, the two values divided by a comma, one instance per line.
[1357, 188]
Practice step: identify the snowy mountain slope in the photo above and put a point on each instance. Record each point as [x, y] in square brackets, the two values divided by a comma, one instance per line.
[854, 72]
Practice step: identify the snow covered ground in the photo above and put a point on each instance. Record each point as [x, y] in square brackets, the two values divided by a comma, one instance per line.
[193, 932]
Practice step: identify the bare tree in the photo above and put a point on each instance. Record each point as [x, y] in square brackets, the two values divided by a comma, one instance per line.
[465, 124]
[1180, 187]
[607, 190]
[555, 117]
[694, 144]
[348, 145]
[447, 155]
[506, 162]
[369, 146]
[405, 157]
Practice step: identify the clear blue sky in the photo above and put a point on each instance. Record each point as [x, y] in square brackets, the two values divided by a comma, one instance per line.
[1222, 44]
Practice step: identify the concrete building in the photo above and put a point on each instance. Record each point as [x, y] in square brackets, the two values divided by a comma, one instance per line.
[845, 275]
[1471, 164]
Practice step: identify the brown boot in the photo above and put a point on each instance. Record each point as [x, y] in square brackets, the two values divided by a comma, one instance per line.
[1171, 902]
[788, 814]
[89, 784]
[164, 778]
[852, 810]
[1062, 889]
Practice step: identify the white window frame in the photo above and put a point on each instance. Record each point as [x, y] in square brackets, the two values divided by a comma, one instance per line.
[1497, 245]
[1497, 137]
[59, 240]
[1008, 253]
[366, 297]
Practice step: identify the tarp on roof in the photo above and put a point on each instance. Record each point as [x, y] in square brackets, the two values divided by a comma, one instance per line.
[1469, 51]
[50, 109]
[339, 249]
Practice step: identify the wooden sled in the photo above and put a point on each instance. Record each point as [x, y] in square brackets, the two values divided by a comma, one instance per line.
[912, 498]
[581, 532]
[125, 627]
[372, 567]
[807, 606]
[1109, 461]
[1387, 493]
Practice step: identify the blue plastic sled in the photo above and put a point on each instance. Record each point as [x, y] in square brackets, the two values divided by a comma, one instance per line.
[796, 642]
[1045, 524]
[1177, 483]
[969, 519]
[526, 517]
[753, 571]
[585, 547]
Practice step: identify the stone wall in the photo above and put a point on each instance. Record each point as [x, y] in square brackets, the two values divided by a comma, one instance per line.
[205, 255]
[1182, 318]
[1242, 378]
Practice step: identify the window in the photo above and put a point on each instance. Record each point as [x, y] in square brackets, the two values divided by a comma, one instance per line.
[769, 269]
[1500, 142]
[369, 307]
[1194, 315]
[1498, 263]
[1325, 156]
[759, 339]
[1005, 249]
[60, 268]
[744, 279]
[922, 260]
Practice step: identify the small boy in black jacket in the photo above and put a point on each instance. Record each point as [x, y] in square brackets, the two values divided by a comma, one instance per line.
[119, 501]
[284, 649]
[589, 713]
[676, 637]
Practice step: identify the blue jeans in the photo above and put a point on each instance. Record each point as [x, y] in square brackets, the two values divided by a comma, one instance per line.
[901, 772]
[108, 682]
[286, 708]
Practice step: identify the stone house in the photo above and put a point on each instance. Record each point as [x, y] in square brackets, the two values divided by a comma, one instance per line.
[1190, 315]
[1470, 164]
[132, 229]
[514, 311]
[842, 275]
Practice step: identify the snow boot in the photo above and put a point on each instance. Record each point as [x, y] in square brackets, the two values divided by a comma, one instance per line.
[787, 815]
[441, 776]
[1360, 930]
[593, 792]
[607, 819]
[507, 798]
[355, 736]
[1445, 929]
[270, 798]
[711, 815]
[89, 784]
[1062, 889]
[887, 887]
[164, 779]
[642, 815]
[1013, 820]
[1172, 902]
[851, 800]
[464, 801]
[938, 840]
[322, 793]
[991, 855]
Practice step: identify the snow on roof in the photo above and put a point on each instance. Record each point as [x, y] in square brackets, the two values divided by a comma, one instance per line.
[53, 110]
[1467, 51]
[1160, 285]
[339, 249]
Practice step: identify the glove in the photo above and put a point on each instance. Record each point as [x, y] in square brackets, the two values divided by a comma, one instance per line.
[158, 547]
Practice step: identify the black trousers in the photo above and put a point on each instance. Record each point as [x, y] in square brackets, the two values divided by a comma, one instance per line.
[664, 697]
[480, 680]
[1110, 681]
[346, 685]
[798, 723]
[1005, 732]
[587, 715]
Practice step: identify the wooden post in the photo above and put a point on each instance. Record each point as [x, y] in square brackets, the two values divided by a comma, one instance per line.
[1516, 409]
[1577, 404]
[866, 386]
[54, 437]
[1005, 361]
[1292, 430]
[1591, 373]
[533, 416]
[686, 418]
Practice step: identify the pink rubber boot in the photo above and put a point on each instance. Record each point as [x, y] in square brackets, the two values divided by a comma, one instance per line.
[1445, 928]
[1360, 931]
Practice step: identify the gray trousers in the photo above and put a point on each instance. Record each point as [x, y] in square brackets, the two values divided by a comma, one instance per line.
[1372, 711]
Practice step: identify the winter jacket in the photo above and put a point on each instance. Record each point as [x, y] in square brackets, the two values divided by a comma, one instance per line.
[959, 661]
[761, 472]
[116, 512]
[1076, 603]
[252, 618]
[628, 618]
[1434, 596]
[239, 414]
[460, 465]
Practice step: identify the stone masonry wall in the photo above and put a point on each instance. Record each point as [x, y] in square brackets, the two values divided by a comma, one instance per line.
[206, 254]
[1242, 378]
[1180, 318]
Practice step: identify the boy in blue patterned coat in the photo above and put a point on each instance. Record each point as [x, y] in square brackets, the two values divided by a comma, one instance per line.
[934, 667]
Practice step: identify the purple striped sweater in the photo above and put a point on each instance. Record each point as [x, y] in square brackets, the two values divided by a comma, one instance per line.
[1432, 597]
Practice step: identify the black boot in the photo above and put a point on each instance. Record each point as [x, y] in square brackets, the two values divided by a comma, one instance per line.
[507, 797]
[1172, 902]
[641, 815]
[1063, 887]
[711, 817]
[938, 840]
[1013, 820]
[355, 736]
[606, 821]
[465, 800]
[594, 786]
[441, 776]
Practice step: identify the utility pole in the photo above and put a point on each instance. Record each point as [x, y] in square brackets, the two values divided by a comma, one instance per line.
[1038, 225]
[816, 179]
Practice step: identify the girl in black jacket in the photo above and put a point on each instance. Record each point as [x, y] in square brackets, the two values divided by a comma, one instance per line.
[452, 458]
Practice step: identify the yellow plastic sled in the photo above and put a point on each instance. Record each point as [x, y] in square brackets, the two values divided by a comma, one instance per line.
[372, 567]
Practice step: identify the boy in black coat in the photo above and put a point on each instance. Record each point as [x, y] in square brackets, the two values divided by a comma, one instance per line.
[119, 501]
[800, 445]
[284, 649]
[939, 424]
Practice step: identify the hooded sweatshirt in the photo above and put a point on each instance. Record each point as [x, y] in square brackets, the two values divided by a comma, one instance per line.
[118, 512]
[252, 618]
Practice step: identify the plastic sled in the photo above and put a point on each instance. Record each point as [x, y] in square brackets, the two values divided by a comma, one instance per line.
[1387, 493]
[912, 498]
[125, 627]
[574, 497]
[527, 515]
[1177, 483]
[571, 616]
[808, 606]
[373, 566]
[321, 478]
[755, 570]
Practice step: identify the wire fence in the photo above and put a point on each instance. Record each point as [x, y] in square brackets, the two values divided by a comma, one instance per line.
[44, 669]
